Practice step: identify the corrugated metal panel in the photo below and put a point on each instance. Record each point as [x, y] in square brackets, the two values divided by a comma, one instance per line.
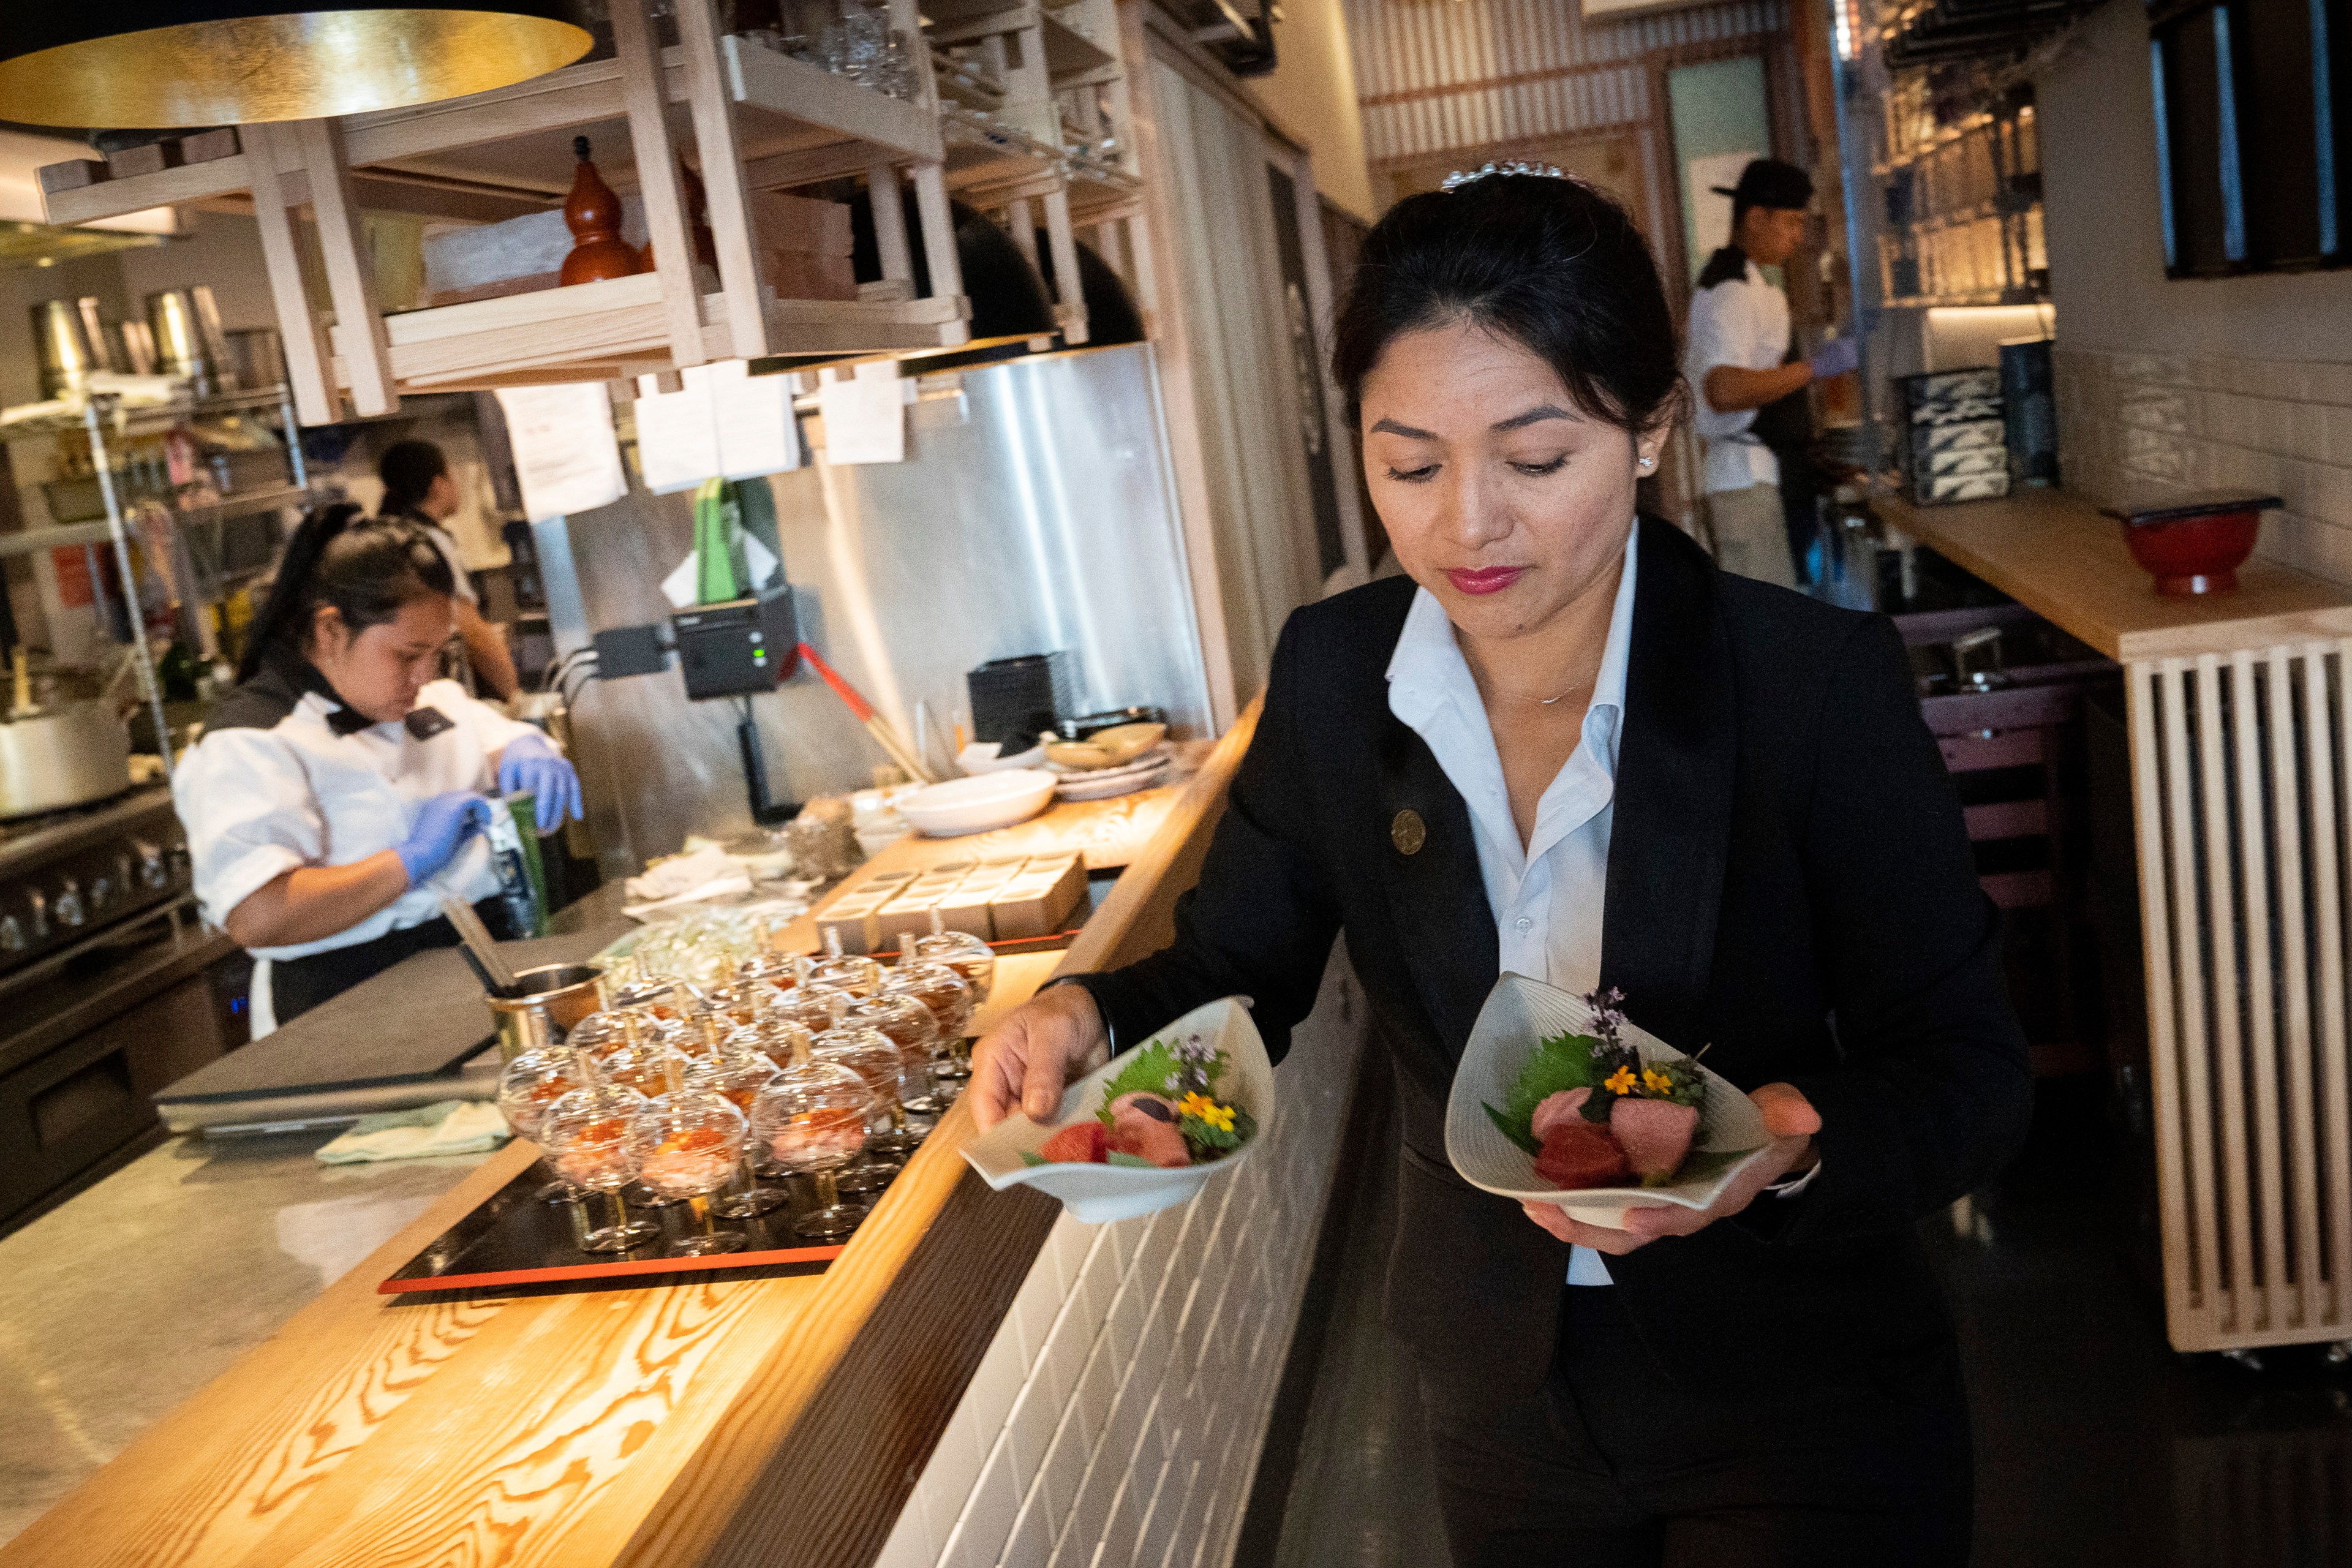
[1434, 77]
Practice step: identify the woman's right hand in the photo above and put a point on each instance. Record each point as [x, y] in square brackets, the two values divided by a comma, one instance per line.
[1026, 1060]
[442, 823]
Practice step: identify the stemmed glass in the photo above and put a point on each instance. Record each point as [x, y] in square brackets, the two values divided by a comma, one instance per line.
[816, 1008]
[656, 994]
[737, 1072]
[858, 976]
[870, 1054]
[811, 1120]
[592, 1139]
[694, 1139]
[779, 971]
[907, 1025]
[528, 1084]
[947, 996]
[971, 958]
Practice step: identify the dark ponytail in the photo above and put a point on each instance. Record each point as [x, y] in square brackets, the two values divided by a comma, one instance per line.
[366, 571]
[1552, 264]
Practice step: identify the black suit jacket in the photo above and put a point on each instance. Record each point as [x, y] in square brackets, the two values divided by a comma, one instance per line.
[1789, 884]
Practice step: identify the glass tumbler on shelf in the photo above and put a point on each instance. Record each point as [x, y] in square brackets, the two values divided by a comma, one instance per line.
[870, 1054]
[593, 1140]
[694, 1140]
[947, 996]
[737, 1073]
[530, 1083]
[907, 1024]
[812, 1120]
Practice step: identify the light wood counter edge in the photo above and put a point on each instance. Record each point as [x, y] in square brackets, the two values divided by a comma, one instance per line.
[823, 1443]
[799, 1437]
[2061, 558]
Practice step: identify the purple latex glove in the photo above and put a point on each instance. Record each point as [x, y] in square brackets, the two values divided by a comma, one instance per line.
[442, 823]
[531, 762]
[1835, 357]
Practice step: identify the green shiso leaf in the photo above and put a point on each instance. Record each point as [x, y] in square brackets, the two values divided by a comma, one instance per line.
[1031, 1157]
[1522, 1134]
[1133, 1161]
[1560, 1062]
[1147, 1072]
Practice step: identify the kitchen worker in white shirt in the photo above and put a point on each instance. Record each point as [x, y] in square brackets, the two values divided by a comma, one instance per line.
[419, 489]
[1751, 390]
[338, 789]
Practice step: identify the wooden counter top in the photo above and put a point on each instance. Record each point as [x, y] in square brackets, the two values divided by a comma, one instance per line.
[2059, 557]
[719, 1421]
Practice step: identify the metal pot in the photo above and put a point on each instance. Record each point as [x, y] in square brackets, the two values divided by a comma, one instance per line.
[553, 998]
[69, 753]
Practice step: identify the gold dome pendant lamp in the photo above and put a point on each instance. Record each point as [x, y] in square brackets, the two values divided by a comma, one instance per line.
[159, 64]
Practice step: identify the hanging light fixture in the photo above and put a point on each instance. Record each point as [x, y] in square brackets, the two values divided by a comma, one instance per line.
[160, 65]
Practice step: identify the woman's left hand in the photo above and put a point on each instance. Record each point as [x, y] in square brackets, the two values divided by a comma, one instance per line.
[1789, 1116]
[533, 764]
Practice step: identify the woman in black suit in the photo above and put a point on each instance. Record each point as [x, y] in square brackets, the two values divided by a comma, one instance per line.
[1566, 744]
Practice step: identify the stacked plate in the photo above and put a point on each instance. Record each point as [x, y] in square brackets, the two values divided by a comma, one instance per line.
[1102, 784]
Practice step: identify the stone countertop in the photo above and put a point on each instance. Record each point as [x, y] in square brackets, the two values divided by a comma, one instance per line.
[117, 1306]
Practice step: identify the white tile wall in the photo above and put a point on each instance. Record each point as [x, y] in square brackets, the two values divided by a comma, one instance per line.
[1116, 1419]
[2147, 421]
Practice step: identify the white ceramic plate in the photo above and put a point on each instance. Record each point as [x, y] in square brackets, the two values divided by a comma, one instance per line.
[1142, 762]
[1085, 786]
[978, 803]
[1096, 1194]
[1519, 1013]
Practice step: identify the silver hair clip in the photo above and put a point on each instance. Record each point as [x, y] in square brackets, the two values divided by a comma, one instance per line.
[1515, 166]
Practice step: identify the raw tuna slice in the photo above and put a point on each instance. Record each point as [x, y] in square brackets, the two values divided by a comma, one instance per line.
[1084, 1142]
[1145, 1125]
[1655, 1133]
[1580, 1154]
[1556, 1109]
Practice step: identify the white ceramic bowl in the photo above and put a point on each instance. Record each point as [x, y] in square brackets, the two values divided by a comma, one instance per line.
[978, 803]
[1520, 1012]
[1099, 1194]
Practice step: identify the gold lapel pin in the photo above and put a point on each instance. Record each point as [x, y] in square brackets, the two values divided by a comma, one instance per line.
[1408, 832]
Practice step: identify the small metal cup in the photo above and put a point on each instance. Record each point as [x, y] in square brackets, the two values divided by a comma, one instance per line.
[553, 997]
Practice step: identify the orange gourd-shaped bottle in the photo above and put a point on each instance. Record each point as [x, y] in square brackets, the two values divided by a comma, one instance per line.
[593, 213]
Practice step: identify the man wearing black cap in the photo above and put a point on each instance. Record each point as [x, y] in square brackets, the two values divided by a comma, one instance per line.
[1740, 361]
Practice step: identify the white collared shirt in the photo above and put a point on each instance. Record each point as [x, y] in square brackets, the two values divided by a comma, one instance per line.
[1742, 322]
[258, 803]
[1548, 894]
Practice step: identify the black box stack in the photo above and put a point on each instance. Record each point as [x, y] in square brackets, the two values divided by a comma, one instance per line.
[1013, 698]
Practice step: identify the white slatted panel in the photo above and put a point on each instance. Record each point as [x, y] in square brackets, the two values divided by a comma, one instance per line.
[2238, 768]
[1431, 78]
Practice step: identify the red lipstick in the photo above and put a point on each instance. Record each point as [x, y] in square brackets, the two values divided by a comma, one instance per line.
[1486, 579]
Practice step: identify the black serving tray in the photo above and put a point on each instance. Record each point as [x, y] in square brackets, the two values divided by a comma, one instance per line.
[513, 1240]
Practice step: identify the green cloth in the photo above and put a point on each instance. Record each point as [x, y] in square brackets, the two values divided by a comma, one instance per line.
[445, 1127]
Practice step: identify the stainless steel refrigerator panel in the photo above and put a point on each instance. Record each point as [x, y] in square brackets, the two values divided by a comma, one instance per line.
[1036, 511]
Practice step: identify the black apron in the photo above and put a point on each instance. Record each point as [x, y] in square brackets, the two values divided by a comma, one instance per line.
[299, 984]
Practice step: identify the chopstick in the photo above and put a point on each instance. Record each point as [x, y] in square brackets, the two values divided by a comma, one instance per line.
[875, 725]
[483, 951]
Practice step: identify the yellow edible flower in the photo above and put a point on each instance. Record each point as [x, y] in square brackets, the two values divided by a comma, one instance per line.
[1656, 1083]
[1618, 1082]
[1220, 1117]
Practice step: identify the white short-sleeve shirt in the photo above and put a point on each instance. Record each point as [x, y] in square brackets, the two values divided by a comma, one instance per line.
[1742, 322]
[259, 798]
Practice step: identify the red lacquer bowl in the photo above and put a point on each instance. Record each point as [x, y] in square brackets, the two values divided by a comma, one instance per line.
[2195, 554]
[2193, 543]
